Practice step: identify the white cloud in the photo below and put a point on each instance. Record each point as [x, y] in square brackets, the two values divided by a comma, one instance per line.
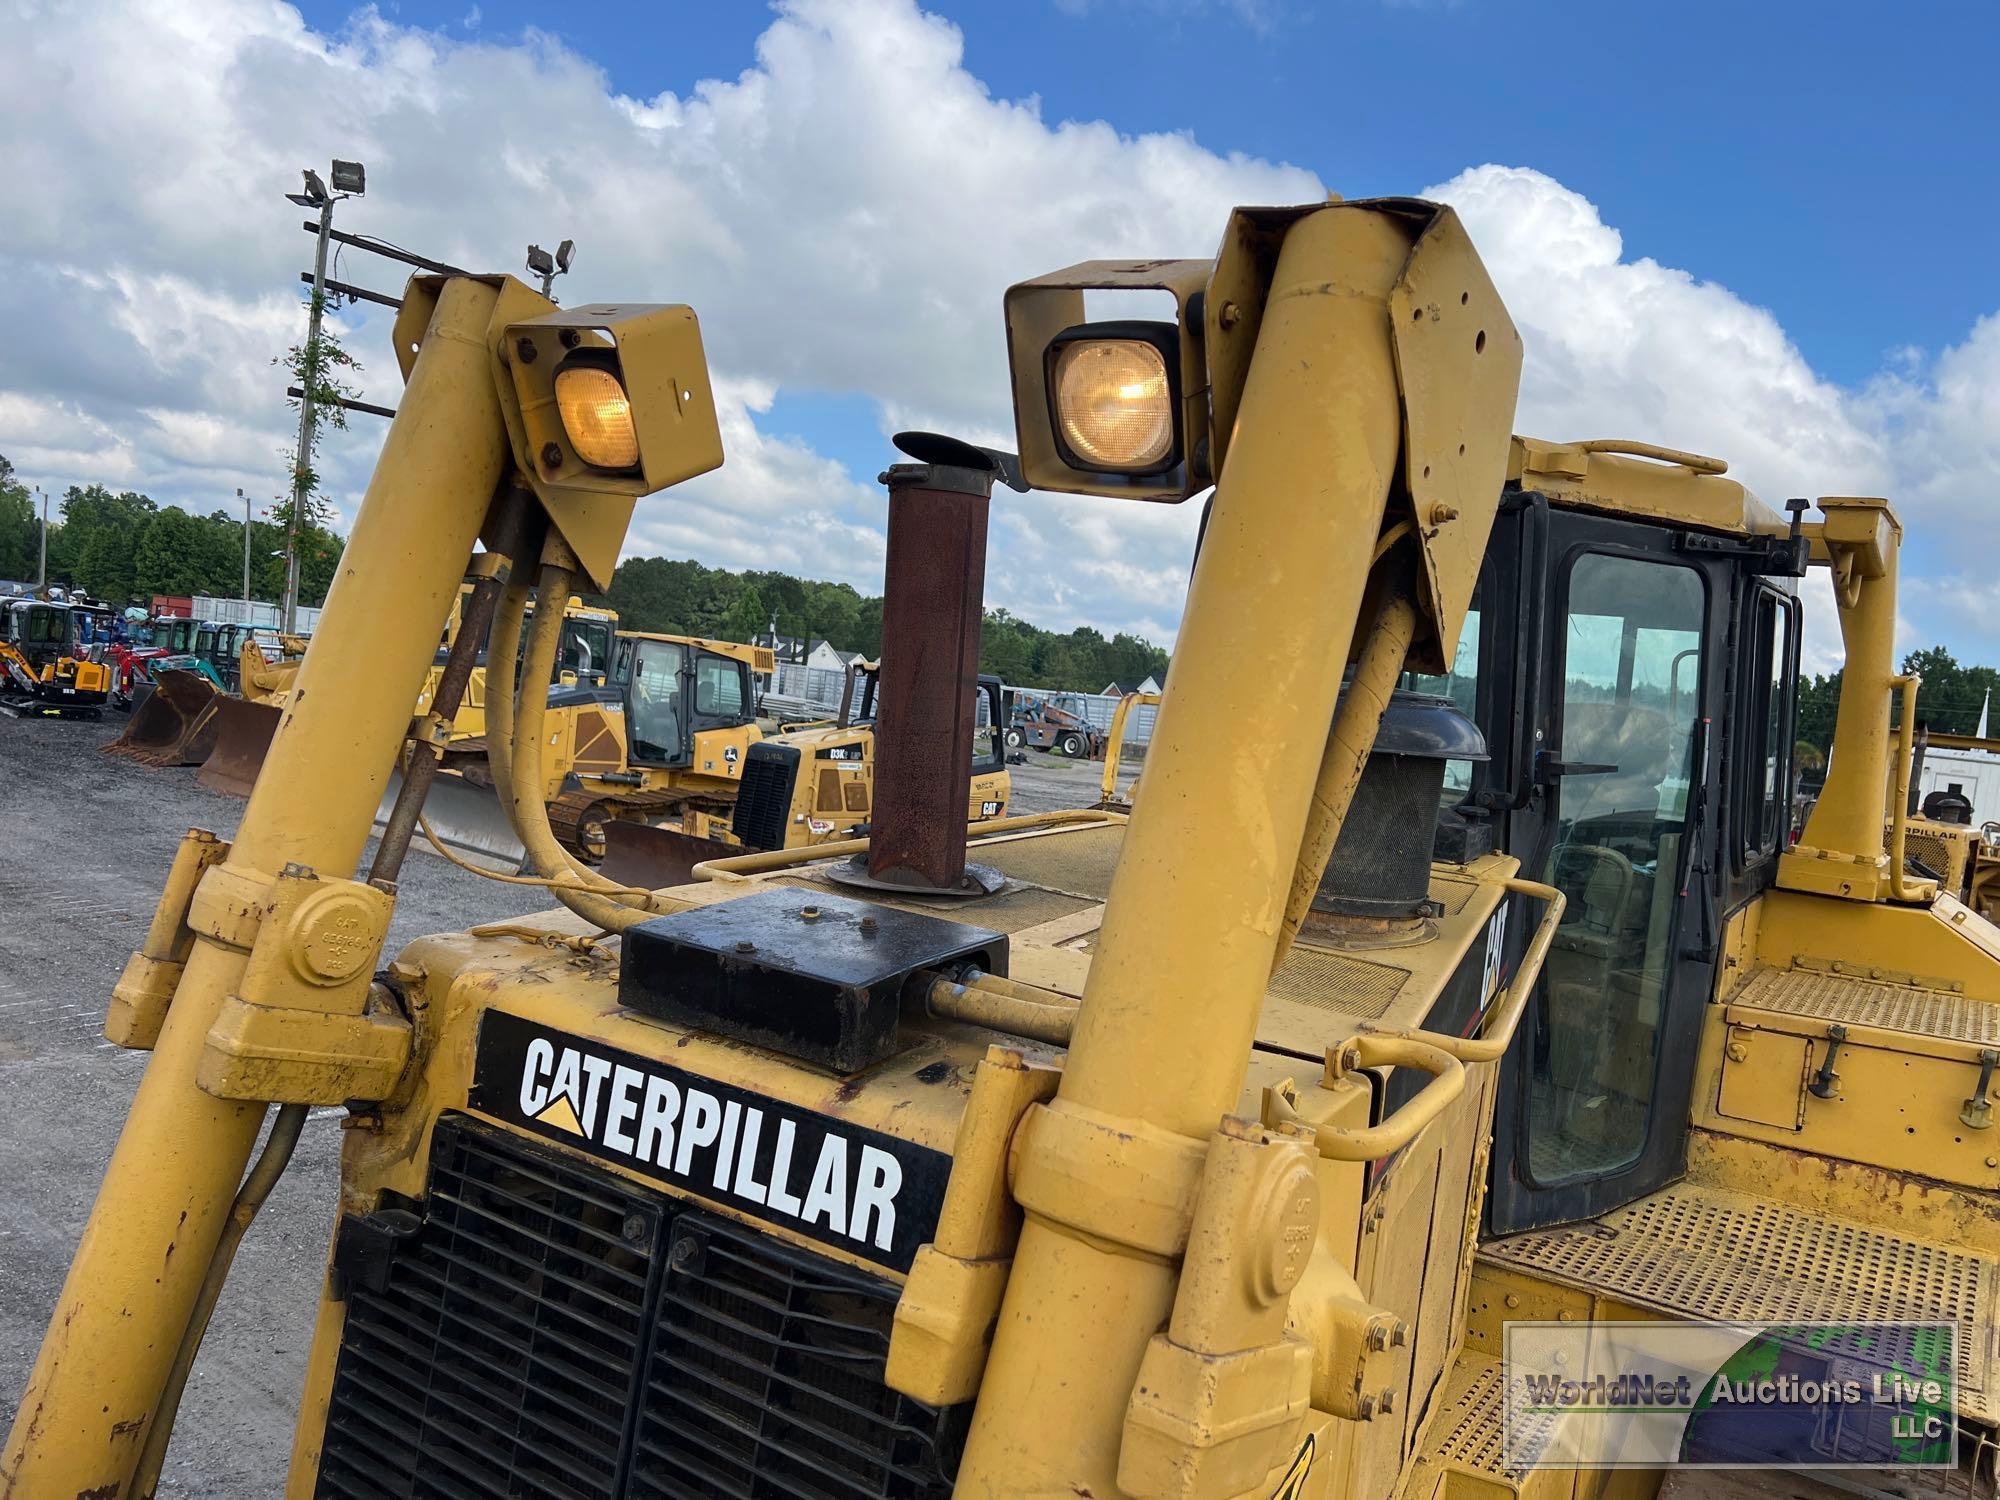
[844, 213]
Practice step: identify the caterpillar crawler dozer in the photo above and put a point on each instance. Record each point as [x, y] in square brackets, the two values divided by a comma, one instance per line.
[1280, 1139]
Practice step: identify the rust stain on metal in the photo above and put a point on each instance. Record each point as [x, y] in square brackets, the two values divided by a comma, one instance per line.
[933, 587]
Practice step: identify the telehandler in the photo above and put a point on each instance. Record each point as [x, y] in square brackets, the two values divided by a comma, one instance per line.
[1219, 1151]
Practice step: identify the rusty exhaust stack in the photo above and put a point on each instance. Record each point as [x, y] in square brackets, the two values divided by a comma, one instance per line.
[933, 593]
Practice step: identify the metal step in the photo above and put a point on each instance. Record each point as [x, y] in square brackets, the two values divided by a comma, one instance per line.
[1705, 1253]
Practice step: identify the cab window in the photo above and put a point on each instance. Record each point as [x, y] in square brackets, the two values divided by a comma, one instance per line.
[654, 715]
[1764, 745]
[718, 687]
[586, 648]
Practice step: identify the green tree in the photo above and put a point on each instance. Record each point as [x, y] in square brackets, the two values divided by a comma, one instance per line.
[167, 558]
[105, 569]
[19, 548]
[746, 617]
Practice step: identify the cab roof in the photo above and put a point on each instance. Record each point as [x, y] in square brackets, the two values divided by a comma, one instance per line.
[1643, 480]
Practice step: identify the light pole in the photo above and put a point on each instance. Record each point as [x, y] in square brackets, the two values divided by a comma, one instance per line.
[549, 267]
[349, 181]
[246, 548]
[42, 578]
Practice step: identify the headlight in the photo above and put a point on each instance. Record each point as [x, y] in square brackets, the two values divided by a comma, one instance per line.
[1113, 399]
[597, 415]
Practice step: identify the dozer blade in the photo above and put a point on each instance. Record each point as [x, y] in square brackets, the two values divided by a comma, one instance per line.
[238, 733]
[167, 728]
[652, 859]
[467, 817]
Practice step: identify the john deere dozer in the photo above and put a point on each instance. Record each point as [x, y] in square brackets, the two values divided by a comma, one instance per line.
[814, 784]
[1250, 1146]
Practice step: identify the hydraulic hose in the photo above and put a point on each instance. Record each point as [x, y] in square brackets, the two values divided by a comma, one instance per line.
[526, 808]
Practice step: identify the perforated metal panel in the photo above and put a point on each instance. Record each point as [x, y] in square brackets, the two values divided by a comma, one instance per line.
[1467, 1430]
[1338, 982]
[1701, 1253]
[1893, 1007]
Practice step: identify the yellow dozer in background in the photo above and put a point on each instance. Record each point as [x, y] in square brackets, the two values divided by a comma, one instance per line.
[813, 784]
[1448, 1078]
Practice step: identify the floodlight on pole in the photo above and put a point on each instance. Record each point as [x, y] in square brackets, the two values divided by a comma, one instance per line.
[549, 267]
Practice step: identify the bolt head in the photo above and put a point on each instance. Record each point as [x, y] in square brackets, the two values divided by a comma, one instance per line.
[552, 455]
[524, 350]
[746, 947]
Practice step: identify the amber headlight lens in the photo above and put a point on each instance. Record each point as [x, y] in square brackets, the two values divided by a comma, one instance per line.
[597, 415]
[1114, 405]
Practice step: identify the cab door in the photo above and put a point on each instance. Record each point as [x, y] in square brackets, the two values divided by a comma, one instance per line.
[656, 703]
[1618, 813]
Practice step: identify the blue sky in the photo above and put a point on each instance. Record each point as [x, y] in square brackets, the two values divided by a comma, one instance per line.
[1833, 162]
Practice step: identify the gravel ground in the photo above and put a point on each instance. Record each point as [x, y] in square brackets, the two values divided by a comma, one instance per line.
[85, 840]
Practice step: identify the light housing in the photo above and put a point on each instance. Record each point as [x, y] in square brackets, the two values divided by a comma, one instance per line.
[349, 177]
[1114, 396]
[540, 261]
[1046, 315]
[565, 253]
[595, 411]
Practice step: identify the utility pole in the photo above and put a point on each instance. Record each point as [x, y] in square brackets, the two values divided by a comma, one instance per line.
[301, 465]
[42, 578]
[348, 181]
[246, 547]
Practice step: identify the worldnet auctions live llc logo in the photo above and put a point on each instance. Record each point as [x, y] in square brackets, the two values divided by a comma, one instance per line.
[1730, 1395]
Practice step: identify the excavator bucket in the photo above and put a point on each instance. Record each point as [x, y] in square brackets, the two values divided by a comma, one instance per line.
[467, 818]
[171, 726]
[238, 733]
[650, 858]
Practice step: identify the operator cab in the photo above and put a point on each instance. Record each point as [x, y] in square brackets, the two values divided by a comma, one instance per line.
[1602, 641]
[675, 690]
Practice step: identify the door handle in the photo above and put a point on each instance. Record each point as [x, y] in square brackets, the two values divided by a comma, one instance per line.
[1548, 769]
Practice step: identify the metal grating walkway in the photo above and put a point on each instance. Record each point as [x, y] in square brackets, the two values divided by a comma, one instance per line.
[1701, 1253]
[1893, 1007]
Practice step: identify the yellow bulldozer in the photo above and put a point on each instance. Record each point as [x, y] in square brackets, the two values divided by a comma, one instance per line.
[1401, 1102]
[662, 737]
[804, 785]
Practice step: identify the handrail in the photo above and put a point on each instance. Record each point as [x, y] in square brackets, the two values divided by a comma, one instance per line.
[1504, 1016]
[1372, 1143]
[1901, 889]
[1446, 1057]
[1701, 463]
[1115, 742]
[743, 866]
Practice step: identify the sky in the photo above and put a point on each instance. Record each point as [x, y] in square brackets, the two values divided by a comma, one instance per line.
[1758, 231]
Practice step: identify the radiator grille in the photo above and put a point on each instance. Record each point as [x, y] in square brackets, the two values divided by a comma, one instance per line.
[766, 1380]
[497, 1355]
[764, 796]
[546, 1330]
